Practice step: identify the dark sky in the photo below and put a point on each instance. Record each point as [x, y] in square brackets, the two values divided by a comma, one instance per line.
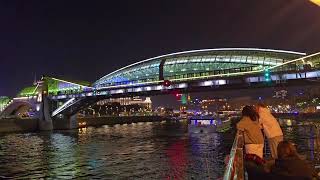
[85, 40]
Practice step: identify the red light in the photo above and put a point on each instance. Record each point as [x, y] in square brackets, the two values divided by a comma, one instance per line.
[166, 83]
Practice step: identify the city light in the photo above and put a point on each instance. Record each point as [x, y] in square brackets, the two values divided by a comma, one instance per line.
[166, 83]
[267, 76]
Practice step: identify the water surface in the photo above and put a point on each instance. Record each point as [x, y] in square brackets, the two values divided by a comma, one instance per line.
[130, 151]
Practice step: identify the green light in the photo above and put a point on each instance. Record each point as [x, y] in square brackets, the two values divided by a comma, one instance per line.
[28, 91]
[184, 99]
[267, 75]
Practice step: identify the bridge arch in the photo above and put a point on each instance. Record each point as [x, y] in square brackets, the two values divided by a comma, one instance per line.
[17, 108]
[196, 63]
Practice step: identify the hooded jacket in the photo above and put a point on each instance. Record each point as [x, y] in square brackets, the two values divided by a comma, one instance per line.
[252, 131]
[270, 125]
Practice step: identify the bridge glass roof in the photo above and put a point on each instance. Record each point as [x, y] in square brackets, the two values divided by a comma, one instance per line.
[196, 64]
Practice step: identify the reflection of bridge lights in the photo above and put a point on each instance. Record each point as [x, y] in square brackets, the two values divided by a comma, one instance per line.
[177, 154]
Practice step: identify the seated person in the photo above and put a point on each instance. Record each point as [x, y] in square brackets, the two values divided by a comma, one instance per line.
[289, 165]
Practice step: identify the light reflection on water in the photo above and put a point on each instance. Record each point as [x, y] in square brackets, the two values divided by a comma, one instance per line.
[131, 151]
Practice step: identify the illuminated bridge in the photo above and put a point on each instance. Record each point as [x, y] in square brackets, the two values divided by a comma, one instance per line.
[195, 65]
[207, 69]
[198, 70]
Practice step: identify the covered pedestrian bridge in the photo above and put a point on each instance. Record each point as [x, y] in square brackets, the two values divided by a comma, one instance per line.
[196, 65]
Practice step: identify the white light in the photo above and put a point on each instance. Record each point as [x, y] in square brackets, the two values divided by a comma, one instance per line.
[148, 88]
[38, 107]
[20, 98]
[39, 99]
[65, 105]
[159, 87]
[120, 91]
[252, 79]
[221, 82]
[137, 89]
[313, 74]
[182, 85]
[207, 83]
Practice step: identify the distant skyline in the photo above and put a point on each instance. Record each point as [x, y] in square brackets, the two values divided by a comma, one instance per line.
[87, 40]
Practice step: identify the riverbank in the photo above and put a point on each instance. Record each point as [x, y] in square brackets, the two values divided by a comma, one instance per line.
[8, 125]
[98, 121]
[18, 125]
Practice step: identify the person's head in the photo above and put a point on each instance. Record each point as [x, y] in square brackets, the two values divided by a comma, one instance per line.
[286, 149]
[250, 112]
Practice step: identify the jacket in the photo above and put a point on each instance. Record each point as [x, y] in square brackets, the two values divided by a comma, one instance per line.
[252, 131]
[270, 125]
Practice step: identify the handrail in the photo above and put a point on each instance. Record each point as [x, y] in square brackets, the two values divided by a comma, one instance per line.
[235, 166]
[64, 106]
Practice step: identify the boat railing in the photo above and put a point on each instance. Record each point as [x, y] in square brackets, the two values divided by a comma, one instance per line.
[235, 166]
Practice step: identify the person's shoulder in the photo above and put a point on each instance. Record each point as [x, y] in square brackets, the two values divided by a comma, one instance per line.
[241, 124]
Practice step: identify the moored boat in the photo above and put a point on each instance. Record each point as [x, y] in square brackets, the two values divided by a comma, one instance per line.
[208, 124]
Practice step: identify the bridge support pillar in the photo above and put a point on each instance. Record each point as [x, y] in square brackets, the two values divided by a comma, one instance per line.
[73, 122]
[65, 122]
[45, 120]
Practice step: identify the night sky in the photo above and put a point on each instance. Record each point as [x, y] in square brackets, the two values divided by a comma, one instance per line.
[84, 40]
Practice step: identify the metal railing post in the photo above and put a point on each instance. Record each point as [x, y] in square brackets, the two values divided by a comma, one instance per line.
[235, 166]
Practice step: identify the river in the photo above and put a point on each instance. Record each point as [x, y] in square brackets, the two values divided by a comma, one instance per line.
[131, 151]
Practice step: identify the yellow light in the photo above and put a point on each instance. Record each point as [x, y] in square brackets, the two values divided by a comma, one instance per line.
[316, 2]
